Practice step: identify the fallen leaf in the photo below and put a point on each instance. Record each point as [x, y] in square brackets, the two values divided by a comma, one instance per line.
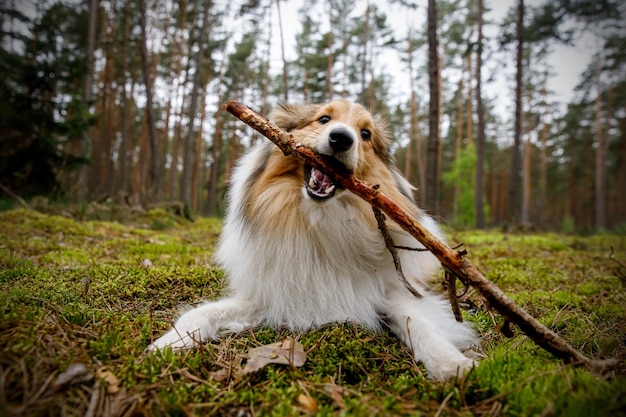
[287, 352]
[308, 403]
[336, 393]
[221, 375]
[75, 373]
[112, 383]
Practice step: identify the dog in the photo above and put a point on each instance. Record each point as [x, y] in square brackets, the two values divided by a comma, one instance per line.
[299, 251]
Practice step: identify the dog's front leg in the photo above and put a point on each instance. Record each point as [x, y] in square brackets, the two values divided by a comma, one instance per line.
[206, 321]
[427, 326]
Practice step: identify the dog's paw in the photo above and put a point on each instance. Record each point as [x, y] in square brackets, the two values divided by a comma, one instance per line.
[175, 340]
[451, 369]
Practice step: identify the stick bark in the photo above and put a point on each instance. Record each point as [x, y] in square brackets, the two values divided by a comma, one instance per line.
[452, 260]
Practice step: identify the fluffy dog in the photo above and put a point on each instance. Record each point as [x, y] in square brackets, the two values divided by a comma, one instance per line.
[298, 251]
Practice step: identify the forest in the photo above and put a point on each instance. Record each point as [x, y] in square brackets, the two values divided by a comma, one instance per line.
[119, 101]
[112, 126]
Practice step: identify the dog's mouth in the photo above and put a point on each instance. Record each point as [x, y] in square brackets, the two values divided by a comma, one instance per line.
[318, 185]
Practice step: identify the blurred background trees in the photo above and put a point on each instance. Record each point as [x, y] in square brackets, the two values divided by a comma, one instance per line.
[120, 100]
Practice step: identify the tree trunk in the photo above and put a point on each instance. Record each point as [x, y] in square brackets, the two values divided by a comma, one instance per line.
[188, 160]
[266, 72]
[154, 186]
[232, 154]
[164, 136]
[196, 173]
[178, 97]
[211, 204]
[470, 100]
[430, 200]
[101, 134]
[409, 154]
[364, 58]
[282, 49]
[525, 218]
[371, 94]
[329, 67]
[440, 56]
[515, 183]
[480, 142]
[142, 150]
[600, 174]
[414, 131]
[110, 132]
[543, 181]
[215, 165]
[86, 144]
[123, 180]
[458, 143]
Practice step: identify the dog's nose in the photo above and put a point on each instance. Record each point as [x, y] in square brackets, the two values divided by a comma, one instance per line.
[340, 139]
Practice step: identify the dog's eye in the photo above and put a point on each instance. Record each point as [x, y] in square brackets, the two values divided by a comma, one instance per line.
[324, 119]
[366, 134]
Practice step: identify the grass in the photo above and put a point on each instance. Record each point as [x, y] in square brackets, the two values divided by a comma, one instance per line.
[97, 293]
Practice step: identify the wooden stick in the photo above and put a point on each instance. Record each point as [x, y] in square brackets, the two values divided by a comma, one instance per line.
[16, 197]
[382, 226]
[453, 261]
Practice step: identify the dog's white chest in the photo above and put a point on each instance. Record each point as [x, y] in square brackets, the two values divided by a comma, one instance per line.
[333, 270]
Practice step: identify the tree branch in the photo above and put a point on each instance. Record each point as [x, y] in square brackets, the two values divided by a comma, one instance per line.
[14, 196]
[453, 261]
[382, 226]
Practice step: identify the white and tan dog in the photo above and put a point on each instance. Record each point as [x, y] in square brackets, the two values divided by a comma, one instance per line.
[298, 251]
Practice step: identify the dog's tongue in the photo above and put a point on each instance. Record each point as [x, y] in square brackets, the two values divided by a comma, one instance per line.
[320, 183]
[323, 180]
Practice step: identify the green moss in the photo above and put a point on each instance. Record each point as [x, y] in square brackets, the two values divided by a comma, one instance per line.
[99, 292]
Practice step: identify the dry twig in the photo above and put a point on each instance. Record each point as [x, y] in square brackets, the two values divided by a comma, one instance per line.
[621, 268]
[380, 219]
[14, 196]
[454, 301]
[453, 261]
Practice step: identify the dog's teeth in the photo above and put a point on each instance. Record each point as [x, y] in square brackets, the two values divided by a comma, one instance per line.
[312, 182]
[330, 189]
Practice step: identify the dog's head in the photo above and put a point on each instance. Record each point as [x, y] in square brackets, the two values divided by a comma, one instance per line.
[342, 129]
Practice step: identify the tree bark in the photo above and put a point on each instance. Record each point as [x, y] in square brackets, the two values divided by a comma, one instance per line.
[196, 173]
[470, 98]
[453, 261]
[458, 144]
[515, 183]
[526, 183]
[178, 96]
[330, 63]
[480, 140]
[211, 202]
[543, 181]
[123, 180]
[432, 150]
[85, 144]
[154, 187]
[189, 148]
[282, 49]
[408, 159]
[600, 171]
[364, 57]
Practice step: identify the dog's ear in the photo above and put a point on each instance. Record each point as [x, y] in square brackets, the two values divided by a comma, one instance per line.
[381, 141]
[292, 116]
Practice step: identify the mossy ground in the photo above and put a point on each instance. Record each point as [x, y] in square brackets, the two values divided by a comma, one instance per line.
[97, 293]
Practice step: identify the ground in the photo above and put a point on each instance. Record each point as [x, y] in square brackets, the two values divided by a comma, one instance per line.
[81, 300]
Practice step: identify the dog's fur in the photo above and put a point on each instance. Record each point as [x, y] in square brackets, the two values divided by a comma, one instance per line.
[301, 253]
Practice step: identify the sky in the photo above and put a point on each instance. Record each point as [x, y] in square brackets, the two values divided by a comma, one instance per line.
[568, 62]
